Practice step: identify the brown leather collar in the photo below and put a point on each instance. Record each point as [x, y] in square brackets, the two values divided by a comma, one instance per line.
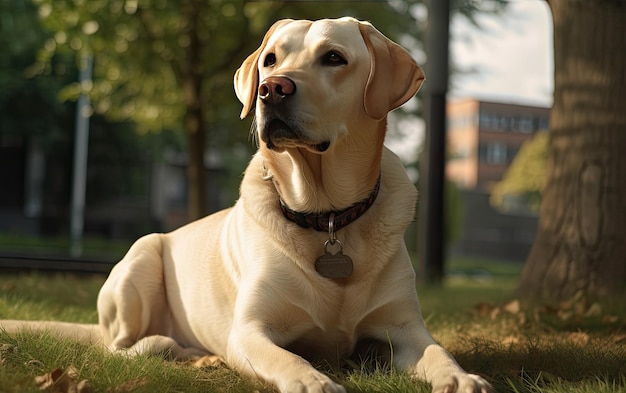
[320, 221]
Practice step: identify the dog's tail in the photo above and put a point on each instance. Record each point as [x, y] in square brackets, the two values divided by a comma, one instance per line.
[81, 332]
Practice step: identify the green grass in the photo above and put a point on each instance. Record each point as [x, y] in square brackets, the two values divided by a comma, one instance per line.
[527, 351]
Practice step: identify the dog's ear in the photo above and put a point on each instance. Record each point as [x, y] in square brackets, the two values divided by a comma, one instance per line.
[247, 76]
[394, 76]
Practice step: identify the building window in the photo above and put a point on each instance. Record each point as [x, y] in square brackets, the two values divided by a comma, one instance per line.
[526, 125]
[495, 122]
[503, 124]
[495, 153]
[487, 121]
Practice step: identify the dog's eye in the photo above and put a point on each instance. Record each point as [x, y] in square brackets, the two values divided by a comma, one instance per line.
[333, 58]
[270, 60]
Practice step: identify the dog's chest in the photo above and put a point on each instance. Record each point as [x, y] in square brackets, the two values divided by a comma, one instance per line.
[330, 345]
[328, 325]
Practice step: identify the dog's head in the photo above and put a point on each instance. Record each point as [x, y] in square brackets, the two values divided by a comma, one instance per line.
[312, 82]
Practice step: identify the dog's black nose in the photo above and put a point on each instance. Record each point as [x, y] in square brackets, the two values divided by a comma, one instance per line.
[274, 88]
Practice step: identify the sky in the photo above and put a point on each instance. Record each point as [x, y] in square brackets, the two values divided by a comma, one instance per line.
[511, 55]
[507, 59]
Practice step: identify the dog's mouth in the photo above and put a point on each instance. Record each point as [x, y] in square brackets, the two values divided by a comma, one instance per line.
[277, 135]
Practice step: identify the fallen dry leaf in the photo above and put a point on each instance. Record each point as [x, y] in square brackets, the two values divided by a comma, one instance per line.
[564, 315]
[210, 361]
[577, 305]
[6, 349]
[484, 309]
[621, 338]
[510, 340]
[581, 307]
[610, 319]
[594, 310]
[512, 307]
[59, 381]
[579, 338]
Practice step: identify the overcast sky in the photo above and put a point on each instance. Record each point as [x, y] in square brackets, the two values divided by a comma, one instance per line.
[511, 53]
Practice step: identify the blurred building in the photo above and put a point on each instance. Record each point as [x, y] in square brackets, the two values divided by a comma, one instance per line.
[129, 192]
[483, 139]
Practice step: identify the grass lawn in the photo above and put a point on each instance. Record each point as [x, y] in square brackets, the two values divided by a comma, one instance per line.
[568, 347]
[93, 247]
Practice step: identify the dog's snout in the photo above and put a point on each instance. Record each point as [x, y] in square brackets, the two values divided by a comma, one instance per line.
[274, 88]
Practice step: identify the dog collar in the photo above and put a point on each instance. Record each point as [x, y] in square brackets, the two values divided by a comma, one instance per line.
[320, 221]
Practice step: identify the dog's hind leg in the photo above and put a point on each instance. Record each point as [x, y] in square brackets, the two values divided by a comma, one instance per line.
[132, 305]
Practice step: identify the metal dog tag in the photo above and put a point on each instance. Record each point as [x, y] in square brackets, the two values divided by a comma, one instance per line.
[334, 265]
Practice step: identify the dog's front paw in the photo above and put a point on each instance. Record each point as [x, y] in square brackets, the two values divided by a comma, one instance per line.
[311, 382]
[462, 383]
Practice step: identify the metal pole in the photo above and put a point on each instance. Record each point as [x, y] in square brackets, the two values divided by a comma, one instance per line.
[81, 142]
[431, 225]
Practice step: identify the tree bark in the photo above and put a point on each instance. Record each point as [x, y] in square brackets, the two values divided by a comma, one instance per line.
[580, 243]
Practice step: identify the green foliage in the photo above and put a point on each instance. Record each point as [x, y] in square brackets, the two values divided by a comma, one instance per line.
[142, 50]
[29, 107]
[139, 50]
[526, 177]
[470, 8]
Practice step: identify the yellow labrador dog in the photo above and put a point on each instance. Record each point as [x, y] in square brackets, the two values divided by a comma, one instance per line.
[311, 260]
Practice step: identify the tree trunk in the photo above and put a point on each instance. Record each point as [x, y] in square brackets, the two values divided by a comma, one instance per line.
[581, 236]
[194, 117]
[196, 172]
